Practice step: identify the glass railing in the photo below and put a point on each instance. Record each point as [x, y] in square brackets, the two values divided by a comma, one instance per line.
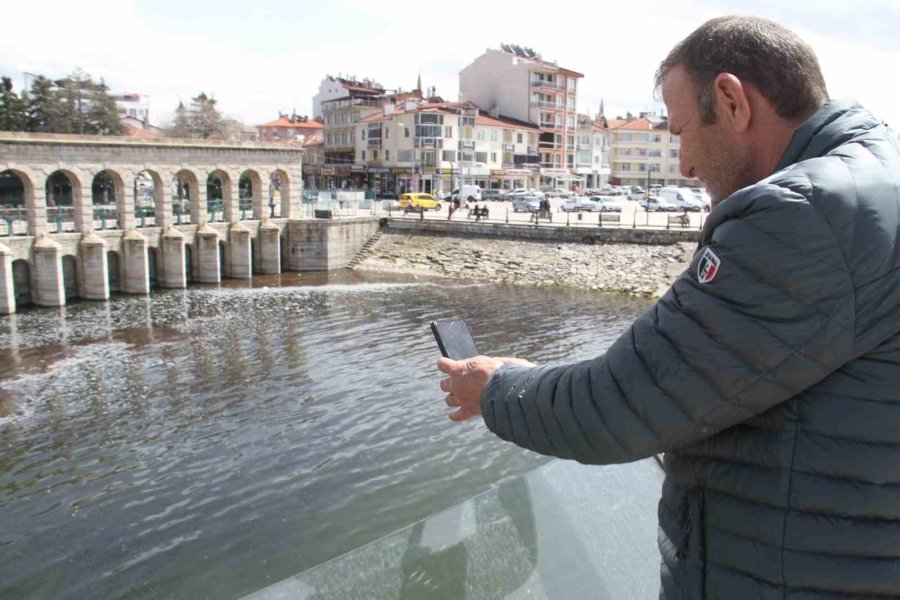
[564, 530]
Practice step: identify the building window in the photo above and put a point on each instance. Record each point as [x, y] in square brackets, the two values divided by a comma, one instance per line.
[448, 155]
[481, 157]
[493, 157]
[479, 134]
[571, 102]
[673, 153]
[655, 152]
[362, 134]
[448, 131]
[624, 166]
[518, 138]
[494, 135]
[374, 154]
[406, 132]
[570, 140]
[387, 132]
[673, 139]
[387, 155]
[654, 167]
[362, 155]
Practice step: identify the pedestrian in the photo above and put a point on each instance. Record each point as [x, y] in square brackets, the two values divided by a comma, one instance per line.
[768, 373]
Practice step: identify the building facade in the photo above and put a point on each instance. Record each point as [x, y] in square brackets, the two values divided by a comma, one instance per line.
[518, 83]
[289, 128]
[644, 152]
[592, 153]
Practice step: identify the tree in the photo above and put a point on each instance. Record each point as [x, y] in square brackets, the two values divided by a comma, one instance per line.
[12, 108]
[181, 126]
[42, 107]
[205, 119]
[103, 114]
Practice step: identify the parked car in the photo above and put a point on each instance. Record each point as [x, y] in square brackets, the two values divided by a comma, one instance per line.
[419, 201]
[558, 193]
[577, 203]
[655, 203]
[526, 203]
[683, 198]
[605, 204]
[470, 193]
[703, 197]
[491, 194]
[516, 192]
[637, 193]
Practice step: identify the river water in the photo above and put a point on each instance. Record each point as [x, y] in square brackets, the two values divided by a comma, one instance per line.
[205, 443]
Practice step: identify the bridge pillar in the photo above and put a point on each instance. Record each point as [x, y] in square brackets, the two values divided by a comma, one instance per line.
[37, 211]
[268, 246]
[173, 273]
[49, 286]
[208, 255]
[7, 291]
[94, 268]
[239, 251]
[83, 206]
[137, 266]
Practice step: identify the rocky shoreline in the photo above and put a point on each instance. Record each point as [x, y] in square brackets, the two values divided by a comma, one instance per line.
[633, 269]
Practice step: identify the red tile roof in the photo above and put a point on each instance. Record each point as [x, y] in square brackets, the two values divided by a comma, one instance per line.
[299, 124]
[136, 132]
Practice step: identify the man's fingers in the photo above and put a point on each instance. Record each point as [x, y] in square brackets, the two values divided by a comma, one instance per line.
[450, 401]
[461, 415]
[448, 365]
[445, 384]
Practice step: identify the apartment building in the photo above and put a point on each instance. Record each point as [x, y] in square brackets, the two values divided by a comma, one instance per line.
[518, 83]
[332, 88]
[592, 152]
[436, 146]
[643, 152]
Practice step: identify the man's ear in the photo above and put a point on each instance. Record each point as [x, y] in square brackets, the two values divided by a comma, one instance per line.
[732, 104]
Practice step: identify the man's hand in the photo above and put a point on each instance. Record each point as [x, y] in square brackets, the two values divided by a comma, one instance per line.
[467, 379]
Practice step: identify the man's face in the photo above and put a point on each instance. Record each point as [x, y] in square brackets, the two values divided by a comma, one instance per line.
[709, 152]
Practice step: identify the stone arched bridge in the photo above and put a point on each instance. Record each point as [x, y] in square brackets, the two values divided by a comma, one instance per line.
[83, 216]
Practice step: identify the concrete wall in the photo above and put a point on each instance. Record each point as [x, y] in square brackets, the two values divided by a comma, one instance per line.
[587, 235]
[326, 244]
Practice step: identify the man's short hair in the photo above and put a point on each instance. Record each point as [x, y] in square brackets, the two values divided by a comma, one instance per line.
[782, 66]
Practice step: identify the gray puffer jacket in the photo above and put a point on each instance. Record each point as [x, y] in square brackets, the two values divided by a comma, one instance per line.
[769, 374]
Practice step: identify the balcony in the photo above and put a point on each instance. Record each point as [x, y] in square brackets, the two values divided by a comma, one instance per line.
[550, 85]
[546, 105]
[374, 143]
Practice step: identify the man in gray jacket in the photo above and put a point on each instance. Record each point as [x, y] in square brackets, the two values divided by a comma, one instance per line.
[769, 374]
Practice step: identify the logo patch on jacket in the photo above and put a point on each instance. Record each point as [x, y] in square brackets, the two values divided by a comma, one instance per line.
[708, 265]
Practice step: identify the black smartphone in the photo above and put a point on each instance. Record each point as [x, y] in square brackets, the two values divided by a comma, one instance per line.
[454, 338]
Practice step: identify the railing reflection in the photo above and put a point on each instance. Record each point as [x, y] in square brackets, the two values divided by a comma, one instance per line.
[564, 530]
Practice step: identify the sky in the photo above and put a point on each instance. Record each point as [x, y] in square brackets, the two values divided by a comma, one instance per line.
[261, 58]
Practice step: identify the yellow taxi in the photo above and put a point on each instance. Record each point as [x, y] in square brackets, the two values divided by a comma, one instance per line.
[419, 201]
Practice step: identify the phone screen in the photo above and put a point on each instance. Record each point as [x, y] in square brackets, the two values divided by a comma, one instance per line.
[454, 338]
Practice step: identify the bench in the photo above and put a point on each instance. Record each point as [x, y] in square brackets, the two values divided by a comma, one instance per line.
[609, 218]
[679, 219]
[541, 214]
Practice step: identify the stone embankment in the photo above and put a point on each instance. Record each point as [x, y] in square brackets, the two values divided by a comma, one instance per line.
[634, 269]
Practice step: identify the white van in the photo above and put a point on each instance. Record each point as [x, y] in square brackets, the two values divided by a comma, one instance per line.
[470, 193]
[683, 198]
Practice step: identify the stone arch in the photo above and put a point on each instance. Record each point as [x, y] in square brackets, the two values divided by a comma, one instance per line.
[70, 276]
[279, 193]
[108, 200]
[185, 197]
[250, 195]
[21, 282]
[16, 195]
[153, 267]
[114, 271]
[63, 191]
[148, 197]
[218, 195]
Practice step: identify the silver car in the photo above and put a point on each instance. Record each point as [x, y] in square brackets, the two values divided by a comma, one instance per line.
[527, 203]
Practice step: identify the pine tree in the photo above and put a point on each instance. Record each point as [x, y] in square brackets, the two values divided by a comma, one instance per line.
[181, 127]
[103, 115]
[206, 120]
[42, 109]
[12, 108]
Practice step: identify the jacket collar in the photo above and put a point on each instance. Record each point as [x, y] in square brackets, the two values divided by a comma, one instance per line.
[832, 125]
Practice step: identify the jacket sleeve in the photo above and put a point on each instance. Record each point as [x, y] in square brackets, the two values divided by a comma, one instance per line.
[777, 317]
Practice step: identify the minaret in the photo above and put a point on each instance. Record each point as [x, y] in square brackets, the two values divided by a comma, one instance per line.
[419, 83]
[602, 114]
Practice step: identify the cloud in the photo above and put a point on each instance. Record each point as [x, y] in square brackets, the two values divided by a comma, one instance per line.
[260, 58]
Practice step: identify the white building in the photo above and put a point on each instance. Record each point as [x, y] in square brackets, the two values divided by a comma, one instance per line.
[135, 106]
[333, 88]
[518, 83]
[592, 152]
